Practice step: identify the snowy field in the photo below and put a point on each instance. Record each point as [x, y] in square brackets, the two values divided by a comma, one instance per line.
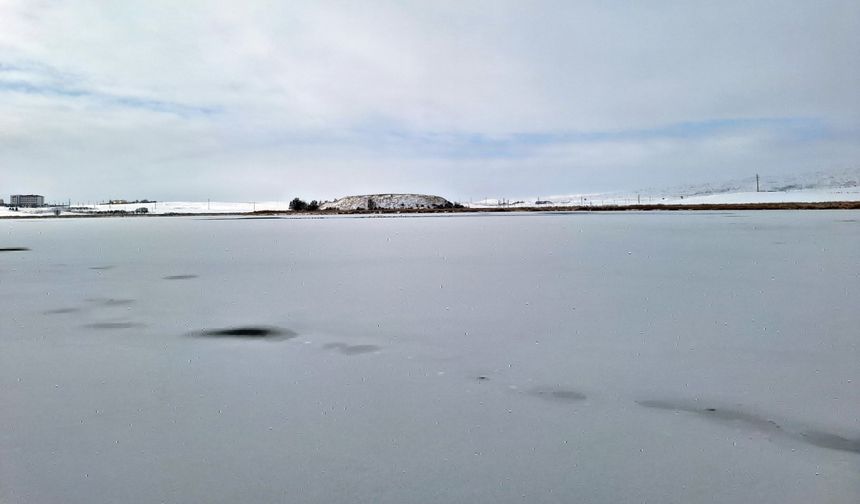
[161, 207]
[689, 357]
[627, 199]
[592, 199]
[851, 194]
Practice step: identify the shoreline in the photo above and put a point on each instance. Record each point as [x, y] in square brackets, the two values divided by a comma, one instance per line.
[827, 205]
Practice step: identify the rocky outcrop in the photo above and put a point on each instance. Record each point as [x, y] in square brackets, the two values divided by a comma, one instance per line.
[387, 202]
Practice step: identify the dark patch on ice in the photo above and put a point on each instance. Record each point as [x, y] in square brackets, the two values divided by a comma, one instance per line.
[14, 249]
[114, 325]
[727, 415]
[849, 220]
[831, 441]
[351, 349]
[248, 332]
[102, 268]
[111, 301]
[483, 378]
[557, 394]
[59, 311]
[179, 277]
[118, 302]
[812, 436]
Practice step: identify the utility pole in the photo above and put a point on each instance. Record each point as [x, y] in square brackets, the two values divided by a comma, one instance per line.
[756, 183]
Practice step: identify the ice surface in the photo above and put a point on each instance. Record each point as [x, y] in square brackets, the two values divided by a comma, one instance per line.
[647, 357]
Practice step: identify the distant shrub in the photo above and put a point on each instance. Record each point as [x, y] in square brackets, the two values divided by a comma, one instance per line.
[314, 205]
[298, 205]
[371, 205]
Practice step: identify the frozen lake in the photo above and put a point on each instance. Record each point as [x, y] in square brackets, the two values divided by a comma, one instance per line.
[604, 358]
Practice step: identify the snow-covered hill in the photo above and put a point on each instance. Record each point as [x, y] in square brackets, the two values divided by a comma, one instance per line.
[388, 202]
[795, 188]
[812, 181]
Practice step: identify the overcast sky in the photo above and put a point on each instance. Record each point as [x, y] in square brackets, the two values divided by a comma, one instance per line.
[254, 100]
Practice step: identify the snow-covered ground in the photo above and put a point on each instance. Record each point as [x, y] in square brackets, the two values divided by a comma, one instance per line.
[390, 201]
[811, 187]
[626, 199]
[161, 207]
[198, 207]
[804, 188]
[590, 199]
[802, 196]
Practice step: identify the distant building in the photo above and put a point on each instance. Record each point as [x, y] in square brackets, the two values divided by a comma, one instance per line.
[26, 200]
[1, 201]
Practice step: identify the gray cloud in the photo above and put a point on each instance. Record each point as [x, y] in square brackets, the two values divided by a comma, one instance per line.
[265, 101]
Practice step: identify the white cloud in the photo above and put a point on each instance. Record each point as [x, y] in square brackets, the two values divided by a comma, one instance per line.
[338, 96]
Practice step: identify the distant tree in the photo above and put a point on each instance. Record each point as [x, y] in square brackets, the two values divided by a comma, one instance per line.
[371, 205]
[298, 205]
[314, 205]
